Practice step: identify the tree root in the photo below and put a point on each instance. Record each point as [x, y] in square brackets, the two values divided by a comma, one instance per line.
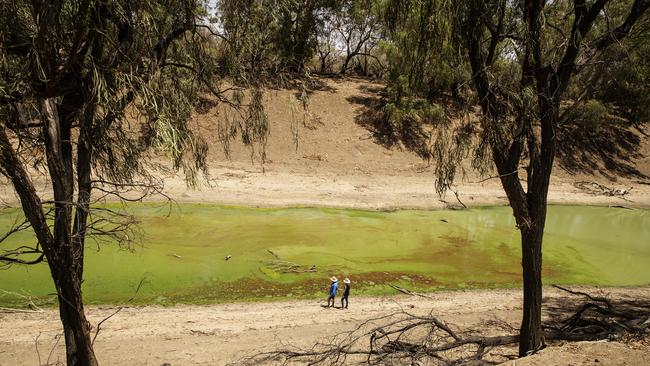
[403, 338]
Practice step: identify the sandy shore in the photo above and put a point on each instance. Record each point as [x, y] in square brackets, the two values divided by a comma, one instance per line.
[243, 184]
[238, 185]
[218, 334]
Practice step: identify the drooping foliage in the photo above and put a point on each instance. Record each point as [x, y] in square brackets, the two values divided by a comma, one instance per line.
[89, 90]
[423, 48]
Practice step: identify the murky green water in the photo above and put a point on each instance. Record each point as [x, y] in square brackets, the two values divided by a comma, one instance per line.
[181, 256]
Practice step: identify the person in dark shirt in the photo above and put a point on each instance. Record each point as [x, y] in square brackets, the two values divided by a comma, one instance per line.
[346, 293]
[332, 292]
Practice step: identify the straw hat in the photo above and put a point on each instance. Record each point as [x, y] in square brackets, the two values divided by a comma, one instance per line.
[333, 279]
[347, 280]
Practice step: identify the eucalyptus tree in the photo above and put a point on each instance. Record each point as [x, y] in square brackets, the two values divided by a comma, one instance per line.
[424, 50]
[327, 50]
[357, 25]
[89, 90]
[273, 35]
[523, 56]
[519, 124]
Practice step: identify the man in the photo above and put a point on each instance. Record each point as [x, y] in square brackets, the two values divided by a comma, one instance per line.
[346, 293]
[332, 294]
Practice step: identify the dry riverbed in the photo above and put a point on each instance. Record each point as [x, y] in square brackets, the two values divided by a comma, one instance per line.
[218, 334]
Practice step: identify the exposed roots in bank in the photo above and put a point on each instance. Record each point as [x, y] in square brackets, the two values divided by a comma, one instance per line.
[403, 338]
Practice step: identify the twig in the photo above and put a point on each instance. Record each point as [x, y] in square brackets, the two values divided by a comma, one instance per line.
[58, 338]
[494, 177]
[118, 310]
[458, 199]
[38, 353]
[409, 292]
[99, 325]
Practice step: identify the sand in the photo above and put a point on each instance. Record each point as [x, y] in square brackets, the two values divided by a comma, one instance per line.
[218, 334]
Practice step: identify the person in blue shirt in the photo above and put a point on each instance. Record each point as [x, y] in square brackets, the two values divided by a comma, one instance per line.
[332, 293]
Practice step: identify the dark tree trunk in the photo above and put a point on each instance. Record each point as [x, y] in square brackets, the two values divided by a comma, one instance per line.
[64, 258]
[344, 67]
[531, 324]
[79, 348]
[67, 254]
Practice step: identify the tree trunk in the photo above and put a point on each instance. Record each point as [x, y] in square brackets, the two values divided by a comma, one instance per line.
[78, 343]
[344, 68]
[67, 254]
[531, 324]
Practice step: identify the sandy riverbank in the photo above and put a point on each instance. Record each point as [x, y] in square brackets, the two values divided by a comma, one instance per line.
[218, 334]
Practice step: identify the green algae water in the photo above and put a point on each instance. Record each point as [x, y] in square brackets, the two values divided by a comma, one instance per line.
[291, 252]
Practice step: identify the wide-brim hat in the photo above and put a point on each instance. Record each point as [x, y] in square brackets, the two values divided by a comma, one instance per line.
[334, 279]
[347, 280]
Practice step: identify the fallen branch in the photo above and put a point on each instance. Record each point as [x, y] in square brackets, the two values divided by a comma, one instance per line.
[13, 310]
[409, 292]
[621, 206]
[281, 266]
[316, 157]
[597, 189]
[273, 254]
[402, 338]
[599, 319]
[458, 199]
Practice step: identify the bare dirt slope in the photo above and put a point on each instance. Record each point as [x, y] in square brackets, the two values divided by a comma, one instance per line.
[218, 334]
[343, 159]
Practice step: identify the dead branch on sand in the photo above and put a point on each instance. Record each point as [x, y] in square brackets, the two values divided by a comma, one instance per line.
[403, 338]
[597, 189]
[408, 292]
